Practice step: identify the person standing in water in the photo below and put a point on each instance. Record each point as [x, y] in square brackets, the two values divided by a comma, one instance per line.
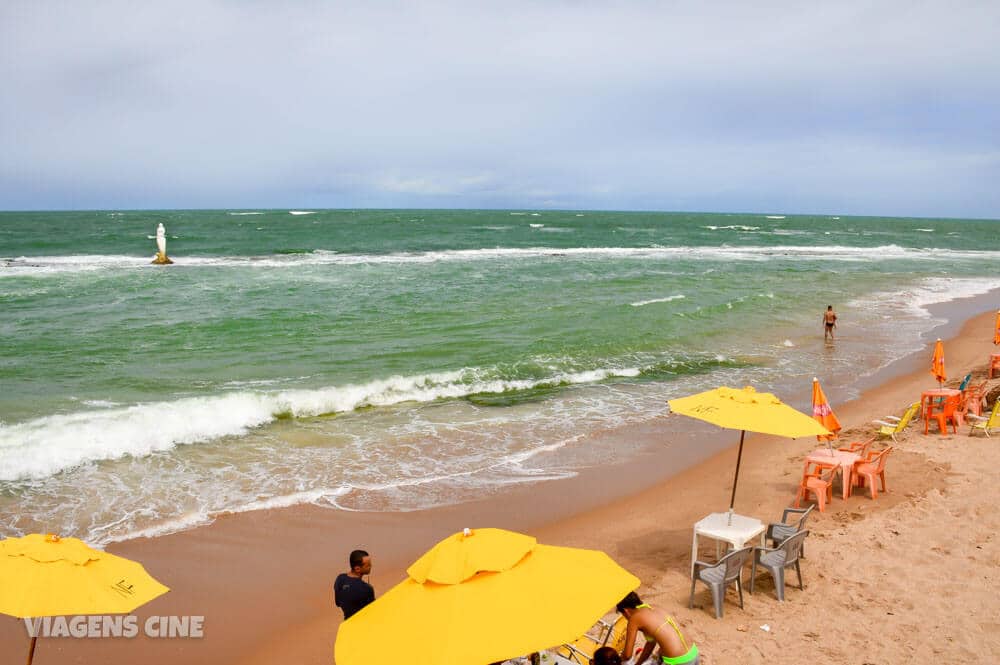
[829, 323]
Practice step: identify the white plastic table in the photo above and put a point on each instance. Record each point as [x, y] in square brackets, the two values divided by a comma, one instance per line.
[737, 532]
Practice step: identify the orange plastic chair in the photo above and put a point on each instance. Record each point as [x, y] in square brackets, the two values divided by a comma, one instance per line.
[950, 411]
[814, 481]
[872, 468]
[859, 447]
[994, 363]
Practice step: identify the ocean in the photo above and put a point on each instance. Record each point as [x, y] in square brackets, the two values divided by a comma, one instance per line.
[392, 360]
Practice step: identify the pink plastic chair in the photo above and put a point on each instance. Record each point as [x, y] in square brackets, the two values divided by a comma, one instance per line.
[872, 468]
[814, 481]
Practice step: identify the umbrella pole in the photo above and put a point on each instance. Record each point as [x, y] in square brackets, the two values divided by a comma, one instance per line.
[31, 649]
[739, 456]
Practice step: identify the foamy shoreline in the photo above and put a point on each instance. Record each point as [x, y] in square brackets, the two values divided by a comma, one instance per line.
[287, 557]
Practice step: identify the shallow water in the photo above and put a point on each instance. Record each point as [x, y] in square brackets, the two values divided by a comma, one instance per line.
[392, 360]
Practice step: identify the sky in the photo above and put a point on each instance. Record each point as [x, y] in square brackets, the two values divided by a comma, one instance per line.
[865, 108]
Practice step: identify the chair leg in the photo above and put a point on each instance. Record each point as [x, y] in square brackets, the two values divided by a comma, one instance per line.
[739, 587]
[873, 486]
[753, 574]
[691, 599]
[778, 574]
[718, 597]
[798, 571]
[882, 477]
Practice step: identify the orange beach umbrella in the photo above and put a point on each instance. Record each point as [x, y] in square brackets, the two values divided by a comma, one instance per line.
[937, 363]
[824, 415]
[996, 331]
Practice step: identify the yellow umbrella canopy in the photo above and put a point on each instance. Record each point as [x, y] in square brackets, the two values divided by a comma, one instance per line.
[748, 411]
[44, 576]
[481, 596]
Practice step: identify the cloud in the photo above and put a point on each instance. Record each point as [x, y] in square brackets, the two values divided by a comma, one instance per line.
[886, 108]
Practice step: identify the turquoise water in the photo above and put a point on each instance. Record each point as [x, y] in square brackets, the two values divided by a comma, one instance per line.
[391, 360]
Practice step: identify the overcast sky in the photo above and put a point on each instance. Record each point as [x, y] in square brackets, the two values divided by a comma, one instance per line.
[882, 107]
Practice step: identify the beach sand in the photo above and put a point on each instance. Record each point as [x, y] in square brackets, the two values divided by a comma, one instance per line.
[912, 574]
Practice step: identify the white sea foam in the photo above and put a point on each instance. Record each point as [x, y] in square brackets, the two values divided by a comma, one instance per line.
[301, 212]
[45, 446]
[41, 265]
[736, 227]
[930, 291]
[642, 303]
[536, 226]
[774, 216]
[925, 230]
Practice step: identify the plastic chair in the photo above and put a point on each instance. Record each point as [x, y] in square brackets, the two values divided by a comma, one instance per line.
[950, 411]
[994, 364]
[974, 398]
[775, 559]
[719, 575]
[814, 481]
[892, 425]
[858, 447]
[872, 468]
[778, 531]
[985, 423]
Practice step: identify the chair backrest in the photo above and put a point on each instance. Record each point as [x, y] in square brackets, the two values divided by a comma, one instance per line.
[880, 458]
[793, 546]
[907, 416]
[735, 561]
[951, 405]
[994, 420]
[804, 517]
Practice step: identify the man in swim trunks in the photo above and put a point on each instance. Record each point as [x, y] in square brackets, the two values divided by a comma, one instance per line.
[829, 322]
[659, 628]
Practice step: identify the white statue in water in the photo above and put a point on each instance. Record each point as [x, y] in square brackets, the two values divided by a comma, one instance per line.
[161, 245]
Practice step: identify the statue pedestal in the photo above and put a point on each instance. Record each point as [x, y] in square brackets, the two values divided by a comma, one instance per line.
[161, 259]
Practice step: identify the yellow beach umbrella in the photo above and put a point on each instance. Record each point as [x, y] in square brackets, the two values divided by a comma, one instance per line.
[824, 415]
[937, 363]
[481, 596]
[748, 411]
[44, 576]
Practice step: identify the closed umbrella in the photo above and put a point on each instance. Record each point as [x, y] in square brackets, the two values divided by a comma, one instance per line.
[824, 415]
[481, 596]
[937, 363]
[42, 576]
[746, 410]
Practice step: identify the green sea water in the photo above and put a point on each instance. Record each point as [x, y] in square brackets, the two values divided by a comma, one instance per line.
[394, 359]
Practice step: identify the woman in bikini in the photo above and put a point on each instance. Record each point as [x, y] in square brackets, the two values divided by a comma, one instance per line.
[659, 628]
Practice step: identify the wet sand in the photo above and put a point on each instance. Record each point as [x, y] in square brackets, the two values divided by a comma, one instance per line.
[879, 574]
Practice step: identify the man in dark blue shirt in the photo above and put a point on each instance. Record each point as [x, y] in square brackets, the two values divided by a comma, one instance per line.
[350, 592]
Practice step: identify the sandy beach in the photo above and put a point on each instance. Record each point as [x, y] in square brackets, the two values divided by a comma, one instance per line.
[912, 574]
